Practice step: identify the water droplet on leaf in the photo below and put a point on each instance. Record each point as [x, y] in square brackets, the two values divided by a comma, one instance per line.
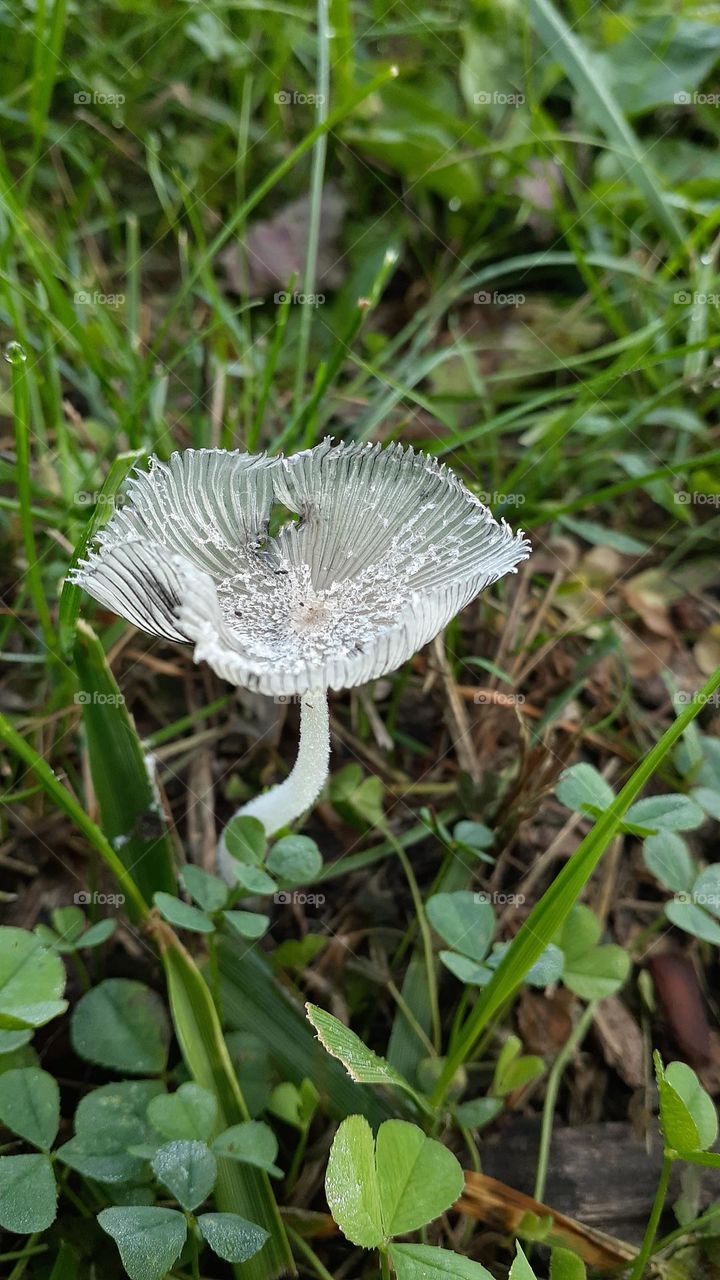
[14, 353]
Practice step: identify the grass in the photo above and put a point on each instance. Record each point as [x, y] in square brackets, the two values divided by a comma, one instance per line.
[524, 283]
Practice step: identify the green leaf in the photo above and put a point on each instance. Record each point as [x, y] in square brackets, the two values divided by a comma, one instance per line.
[676, 1121]
[700, 1105]
[473, 835]
[245, 839]
[253, 879]
[68, 922]
[357, 798]
[30, 1105]
[681, 911]
[668, 858]
[250, 1143]
[514, 1070]
[231, 1237]
[210, 892]
[32, 981]
[191, 1112]
[597, 974]
[580, 933]
[295, 1106]
[28, 1194]
[582, 787]
[477, 1112]
[97, 934]
[425, 1262]
[188, 1170]
[590, 971]
[149, 1240]
[108, 1123]
[709, 800]
[565, 1265]
[706, 889]
[362, 1064]
[521, 1269]
[418, 1178]
[669, 812]
[295, 860]
[467, 971]
[250, 925]
[132, 817]
[121, 1024]
[463, 920]
[181, 914]
[351, 1184]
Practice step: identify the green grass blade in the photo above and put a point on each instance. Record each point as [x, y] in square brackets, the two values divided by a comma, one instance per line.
[132, 818]
[316, 191]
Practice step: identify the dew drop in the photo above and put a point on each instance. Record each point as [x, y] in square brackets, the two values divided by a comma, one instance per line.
[706, 259]
[14, 353]
[454, 204]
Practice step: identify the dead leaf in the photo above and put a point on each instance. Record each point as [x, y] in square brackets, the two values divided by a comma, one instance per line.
[544, 1022]
[274, 249]
[621, 1040]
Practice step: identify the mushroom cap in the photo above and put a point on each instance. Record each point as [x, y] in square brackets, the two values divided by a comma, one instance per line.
[324, 569]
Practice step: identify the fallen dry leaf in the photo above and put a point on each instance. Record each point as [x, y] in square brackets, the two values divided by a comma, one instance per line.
[621, 1040]
[274, 249]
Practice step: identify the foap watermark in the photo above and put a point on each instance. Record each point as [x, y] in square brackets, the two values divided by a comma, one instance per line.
[683, 698]
[298, 898]
[495, 899]
[87, 697]
[698, 899]
[291, 98]
[93, 98]
[697, 499]
[84, 898]
[299, 299]
[487, 98]
[487, 298]
[94, 498]
[83, 298]
[684, 99]
[496, 499]
[493, 697]
[694, 298]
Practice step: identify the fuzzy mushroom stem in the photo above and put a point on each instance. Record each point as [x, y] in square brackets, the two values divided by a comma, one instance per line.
[282, 804]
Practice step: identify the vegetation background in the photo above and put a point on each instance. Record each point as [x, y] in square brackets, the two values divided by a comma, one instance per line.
[490, 230]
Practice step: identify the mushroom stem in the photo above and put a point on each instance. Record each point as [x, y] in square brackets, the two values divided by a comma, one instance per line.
[282, 804]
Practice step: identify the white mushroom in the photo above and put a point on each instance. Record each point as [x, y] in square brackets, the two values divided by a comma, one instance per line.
[374, 552]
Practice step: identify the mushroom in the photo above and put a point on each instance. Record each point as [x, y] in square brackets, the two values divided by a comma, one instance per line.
[295, 575]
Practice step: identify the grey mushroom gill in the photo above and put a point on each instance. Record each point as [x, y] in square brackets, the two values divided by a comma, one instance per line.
[379, 549]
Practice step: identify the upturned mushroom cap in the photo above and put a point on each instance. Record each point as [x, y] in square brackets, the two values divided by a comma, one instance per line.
[380, 548]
